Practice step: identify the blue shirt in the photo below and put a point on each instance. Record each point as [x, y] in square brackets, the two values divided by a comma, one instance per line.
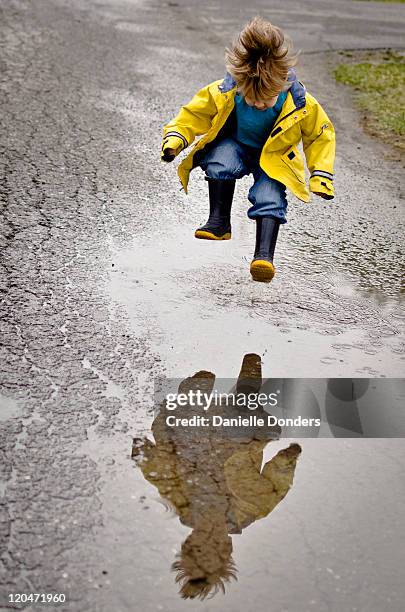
[253, 126]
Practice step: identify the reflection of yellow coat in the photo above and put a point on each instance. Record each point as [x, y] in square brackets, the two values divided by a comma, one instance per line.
[301, 118]
[230, 483]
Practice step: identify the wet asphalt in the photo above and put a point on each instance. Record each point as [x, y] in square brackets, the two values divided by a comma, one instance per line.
[104, 290]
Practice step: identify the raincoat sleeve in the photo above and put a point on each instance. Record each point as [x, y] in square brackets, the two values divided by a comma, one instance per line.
[318, 137]
[256, 491]
[194, 118]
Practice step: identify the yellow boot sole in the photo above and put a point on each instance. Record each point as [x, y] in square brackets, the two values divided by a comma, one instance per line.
[262, 270]
[203, 235]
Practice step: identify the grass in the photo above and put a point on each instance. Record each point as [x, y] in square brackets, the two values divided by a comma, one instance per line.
[379, 84]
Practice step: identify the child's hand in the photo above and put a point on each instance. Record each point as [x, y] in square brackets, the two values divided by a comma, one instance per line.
[172, 145]
[325, 196]
[168, 155]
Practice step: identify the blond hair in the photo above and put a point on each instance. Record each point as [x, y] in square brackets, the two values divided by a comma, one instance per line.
[259, 60]
[205, 564]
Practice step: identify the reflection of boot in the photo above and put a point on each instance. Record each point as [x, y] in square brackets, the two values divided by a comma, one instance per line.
[250, 375]
[262, 268]
[218, 226]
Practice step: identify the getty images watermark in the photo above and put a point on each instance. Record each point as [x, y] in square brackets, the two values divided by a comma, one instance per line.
[339, 407]
[219, 400]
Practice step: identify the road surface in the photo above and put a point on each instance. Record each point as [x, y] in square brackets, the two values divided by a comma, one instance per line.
[105, 290]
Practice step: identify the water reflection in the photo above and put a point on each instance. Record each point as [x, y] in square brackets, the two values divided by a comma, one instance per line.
[215, 483]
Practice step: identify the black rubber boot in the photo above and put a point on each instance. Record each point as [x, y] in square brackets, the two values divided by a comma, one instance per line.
[262, 268]
[218, 226]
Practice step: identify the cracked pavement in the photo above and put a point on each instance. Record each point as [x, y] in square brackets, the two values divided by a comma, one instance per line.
[95, 305]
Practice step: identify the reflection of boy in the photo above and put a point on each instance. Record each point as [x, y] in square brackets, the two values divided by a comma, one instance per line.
[215, 498]
[252, 122]
[215, 484]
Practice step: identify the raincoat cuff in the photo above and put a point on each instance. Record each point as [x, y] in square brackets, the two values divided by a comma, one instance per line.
[175, 137]
[322, 184]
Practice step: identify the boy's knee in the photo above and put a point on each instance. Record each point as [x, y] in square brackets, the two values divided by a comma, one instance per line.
[268, 192]
[216, 170]
[224, 161]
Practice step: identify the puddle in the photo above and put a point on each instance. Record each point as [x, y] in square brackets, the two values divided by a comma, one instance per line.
[199, 307]
[234, 520]
[192, 528]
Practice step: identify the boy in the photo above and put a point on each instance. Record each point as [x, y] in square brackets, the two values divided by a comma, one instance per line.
[251, 122]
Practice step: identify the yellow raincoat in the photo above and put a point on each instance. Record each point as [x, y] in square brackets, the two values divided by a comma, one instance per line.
[301, 118]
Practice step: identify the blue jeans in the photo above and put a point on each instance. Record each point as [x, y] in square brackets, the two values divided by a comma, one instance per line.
[228, 159]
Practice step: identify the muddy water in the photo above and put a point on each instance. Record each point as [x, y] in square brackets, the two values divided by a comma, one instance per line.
[331, 543]
[193, 520]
